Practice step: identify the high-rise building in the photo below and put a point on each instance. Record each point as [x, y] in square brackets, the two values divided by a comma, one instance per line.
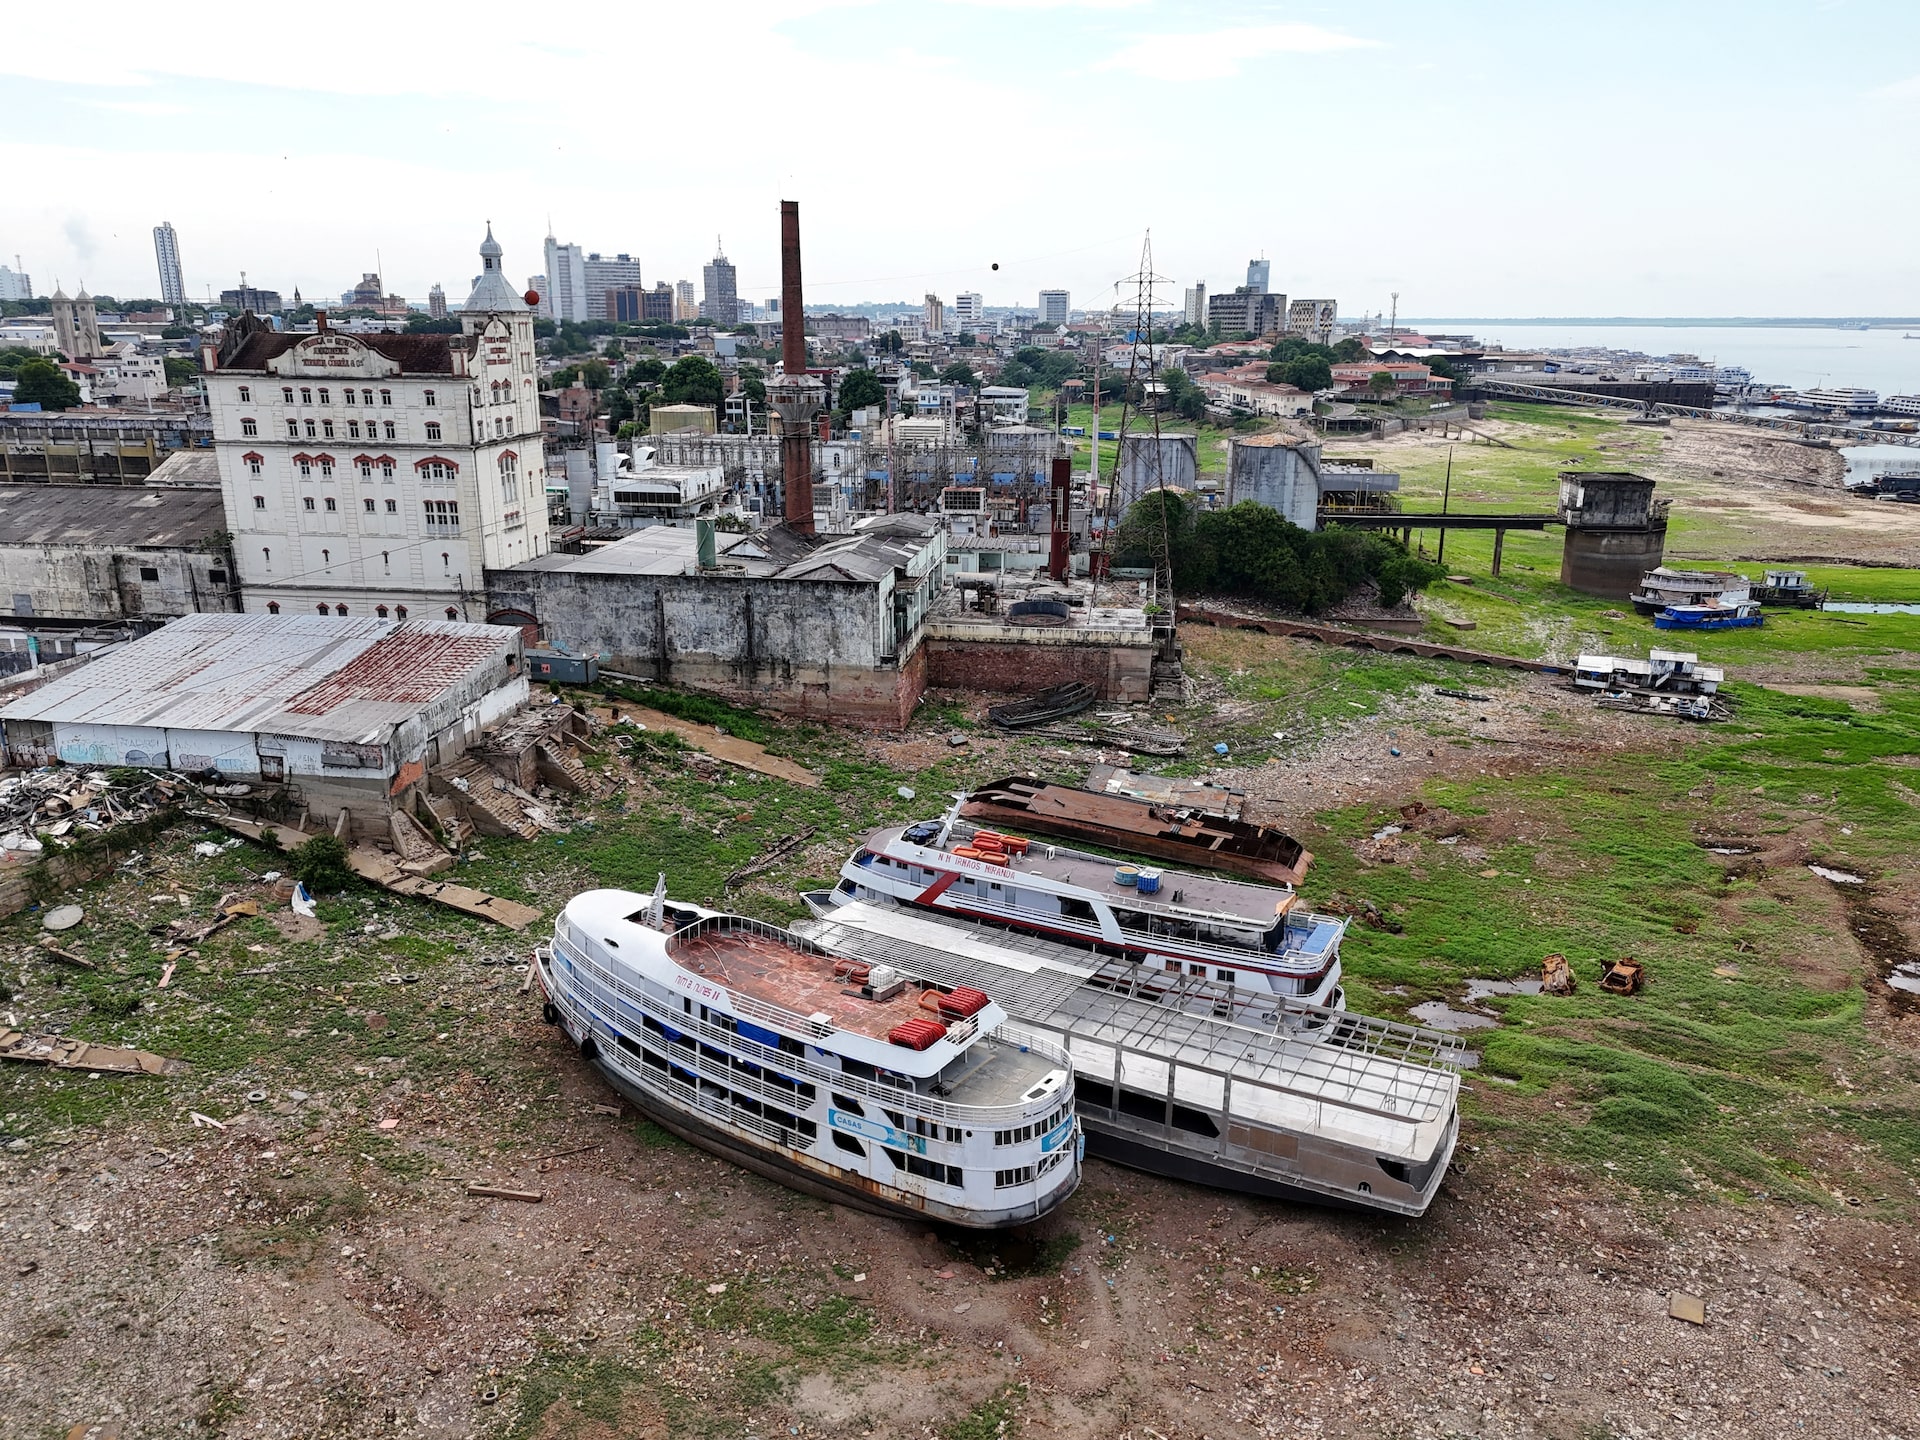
[251, 297]
[1053, 307]
[15, 284]
[373, 475]
[75, 330]
[968, 311]
[1247, 311]
[720, 294]
[1196, 304]
[623, 304]
[933, 316]
[566, 292]
[166, 251]
[656, 305]
[1257, 272]
[436, 302]
[684, 308]
[1312, 320]
[622, 272]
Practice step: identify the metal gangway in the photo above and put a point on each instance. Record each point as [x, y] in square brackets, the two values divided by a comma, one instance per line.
[1785, 424]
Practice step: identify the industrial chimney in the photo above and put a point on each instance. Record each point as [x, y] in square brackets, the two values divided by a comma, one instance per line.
[796, 396]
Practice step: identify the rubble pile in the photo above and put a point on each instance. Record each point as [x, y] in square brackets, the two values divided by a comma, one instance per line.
[56, 801]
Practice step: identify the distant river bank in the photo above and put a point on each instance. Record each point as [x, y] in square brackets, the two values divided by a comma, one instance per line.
[1800, 356]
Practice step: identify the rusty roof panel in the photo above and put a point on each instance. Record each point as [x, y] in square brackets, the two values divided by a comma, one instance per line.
[321, 678]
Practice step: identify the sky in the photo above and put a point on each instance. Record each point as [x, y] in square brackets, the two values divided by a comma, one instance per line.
[1481, 158]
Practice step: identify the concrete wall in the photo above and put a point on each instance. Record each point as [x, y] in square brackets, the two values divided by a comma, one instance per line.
[1147, 463]
[1610, 562]
[92, 583]
[808, 647]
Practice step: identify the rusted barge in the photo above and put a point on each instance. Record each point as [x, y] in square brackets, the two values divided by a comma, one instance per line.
[1189, 835]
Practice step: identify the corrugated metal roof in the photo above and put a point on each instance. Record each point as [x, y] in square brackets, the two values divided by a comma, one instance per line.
[324, 679]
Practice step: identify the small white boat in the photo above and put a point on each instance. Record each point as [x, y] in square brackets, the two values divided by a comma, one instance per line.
[828, 1074]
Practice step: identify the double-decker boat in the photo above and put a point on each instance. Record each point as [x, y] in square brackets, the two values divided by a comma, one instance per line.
[825, 1072]
[1256, 939]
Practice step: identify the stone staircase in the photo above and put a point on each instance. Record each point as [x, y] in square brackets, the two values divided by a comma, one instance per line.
[560, 769]
[490, 804]
[416, 851]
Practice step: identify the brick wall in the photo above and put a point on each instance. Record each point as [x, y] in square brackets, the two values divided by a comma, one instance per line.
[1123, 673]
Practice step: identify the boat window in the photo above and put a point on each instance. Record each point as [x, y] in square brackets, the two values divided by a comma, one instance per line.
[1227, 975]
[1092, 1092]
[846, 887]
[858, 1067]
[1132, 920]
[1195, 1122]
[848, 1104]
[847, 1143]
[1196, 970]
[1076, 909]
[1007, 1179]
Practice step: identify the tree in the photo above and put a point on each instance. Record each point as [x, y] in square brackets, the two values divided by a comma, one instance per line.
[177, 332]
[1380, 384]
[1303, 372]
[753, 384]
[692, 380]
[321, 865]
[615, 350]
[427, 325]
[646, 370]
[1187, 399]
[890, 343]
[1443, 367]
[964, 340]
[923, 369]
[565, 377]
[860, 389]
[958, 373]
[180, 370]
[595, 375]
[39, 381]
[1349, 351]
[619, 406]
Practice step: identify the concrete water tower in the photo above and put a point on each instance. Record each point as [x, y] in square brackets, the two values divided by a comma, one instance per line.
[1616, 531]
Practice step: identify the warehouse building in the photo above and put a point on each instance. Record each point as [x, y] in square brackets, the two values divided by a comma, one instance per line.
[351, 713]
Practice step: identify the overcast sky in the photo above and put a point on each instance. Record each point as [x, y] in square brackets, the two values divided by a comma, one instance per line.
[1483, 159]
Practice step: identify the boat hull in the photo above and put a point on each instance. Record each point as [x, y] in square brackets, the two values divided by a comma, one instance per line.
[1274, 872]
[808, 1180]
[1115, 1142]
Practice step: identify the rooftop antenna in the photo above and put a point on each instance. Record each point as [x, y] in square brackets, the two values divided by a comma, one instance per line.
[1393, 325]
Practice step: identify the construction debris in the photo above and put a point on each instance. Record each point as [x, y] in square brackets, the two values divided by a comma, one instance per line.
[1622, 977]
[782, 848]
[66, 955]
[730, 748]
[1556, 976]
[477, 1191]
[64, 1052]
[62, 917]
[1690, 1308]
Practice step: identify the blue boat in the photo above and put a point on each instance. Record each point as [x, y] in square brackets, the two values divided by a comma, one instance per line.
[1709, 617]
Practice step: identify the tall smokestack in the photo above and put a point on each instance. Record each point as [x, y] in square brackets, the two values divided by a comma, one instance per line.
[796, 397]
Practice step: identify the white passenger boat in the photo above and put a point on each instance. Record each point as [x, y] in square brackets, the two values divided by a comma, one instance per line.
[828, 1074]
[1257, 939]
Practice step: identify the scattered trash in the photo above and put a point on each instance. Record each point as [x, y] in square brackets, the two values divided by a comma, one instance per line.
[1690, 1308]
[64, 1052]
[389, 1124]
[963, 1307]
[206, 1122]
[1220, 748]
[717, 1289]
[1387, 830]
[1460, 695]
[1556, 976]
[956, 740]
[905, 792]
[67, 955]
[271, 876]
[257, 1097]
[782, 848]
[1838, 877]
[476, 1191]
[1622, 977]
[206, 849]
[63, 917]
[166, 975]
[301, 901]
[1480, 989]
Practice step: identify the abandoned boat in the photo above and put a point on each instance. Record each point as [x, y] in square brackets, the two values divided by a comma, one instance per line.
[1255, 939]
[1364, 1114]
[1052, 704]
[1709, 617]
[1188, 835]
[834, 1076]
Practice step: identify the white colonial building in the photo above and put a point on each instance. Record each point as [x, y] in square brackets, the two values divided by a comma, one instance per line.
[382, 475]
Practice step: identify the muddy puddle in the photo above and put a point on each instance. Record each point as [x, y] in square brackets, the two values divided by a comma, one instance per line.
[1480, 989]
[1439, 1015]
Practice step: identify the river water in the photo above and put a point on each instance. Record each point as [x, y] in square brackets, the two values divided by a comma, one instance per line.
[1797, 355]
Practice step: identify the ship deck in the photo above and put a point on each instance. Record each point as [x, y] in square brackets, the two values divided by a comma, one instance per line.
[763, 969]
[1254, 904]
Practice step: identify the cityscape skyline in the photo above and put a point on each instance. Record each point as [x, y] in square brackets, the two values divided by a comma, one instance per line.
[1507, 219]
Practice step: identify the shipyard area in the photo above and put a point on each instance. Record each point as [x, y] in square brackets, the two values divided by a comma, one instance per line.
[1631, 990]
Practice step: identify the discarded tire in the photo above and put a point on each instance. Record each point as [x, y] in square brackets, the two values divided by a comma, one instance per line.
[588, 1050]
[549, 1014]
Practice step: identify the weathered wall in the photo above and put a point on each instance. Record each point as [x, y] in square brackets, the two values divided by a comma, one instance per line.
[1610, 563]
[1124, 673]
[1281, 477]
[103, 582]
[820, 649]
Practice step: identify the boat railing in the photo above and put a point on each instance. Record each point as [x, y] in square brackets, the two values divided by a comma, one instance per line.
[800, 1068]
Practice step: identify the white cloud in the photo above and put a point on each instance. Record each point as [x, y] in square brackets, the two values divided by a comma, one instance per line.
[1209, 54]
[1907, 89]
[158, 109]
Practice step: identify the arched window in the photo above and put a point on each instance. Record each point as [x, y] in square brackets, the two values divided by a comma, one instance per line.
[321, 607]
[248, 426]
[287, 391]
[326, 396]
[339, 609]
[366, 397]
[348, 393]
[509, 476]
[399, 612]
[246, 394]
[386, 397]
[273, 607]
[452, 614]
[326, 465]
[306, 395]
[266, 555]
[427, 397]
[381, 611]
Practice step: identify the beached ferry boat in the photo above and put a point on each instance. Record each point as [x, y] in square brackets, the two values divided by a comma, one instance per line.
[1710, 617]
[1256, 939]
[826, 1073]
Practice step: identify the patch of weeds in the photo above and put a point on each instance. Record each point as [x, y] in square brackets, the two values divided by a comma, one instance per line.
[1289, 1281]
[700, 709]
[654, 1137]
[590, 1389]
[991, 1418]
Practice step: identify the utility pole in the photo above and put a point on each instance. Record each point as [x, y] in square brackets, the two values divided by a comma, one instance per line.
[1393, 325]
[1446, 494]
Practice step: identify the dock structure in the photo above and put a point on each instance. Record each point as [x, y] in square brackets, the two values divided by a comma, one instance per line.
[1322, 1106]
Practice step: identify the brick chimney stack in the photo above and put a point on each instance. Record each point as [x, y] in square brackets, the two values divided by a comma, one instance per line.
[796, 397]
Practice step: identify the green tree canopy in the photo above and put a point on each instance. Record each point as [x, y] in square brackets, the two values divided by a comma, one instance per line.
[39, 381]
[889, 343]
[1349, 350]
[1187, 399]
[646, 370]
[564, 377]
[753, 384]
[180, 370]
[860, 389]
[923, 369]
[958, 373]
[615, 350]
[692, 380]
[596, 375]
[1381, 384]
[1303, 372]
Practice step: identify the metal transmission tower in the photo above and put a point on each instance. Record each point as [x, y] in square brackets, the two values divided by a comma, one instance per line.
[1152, 472]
